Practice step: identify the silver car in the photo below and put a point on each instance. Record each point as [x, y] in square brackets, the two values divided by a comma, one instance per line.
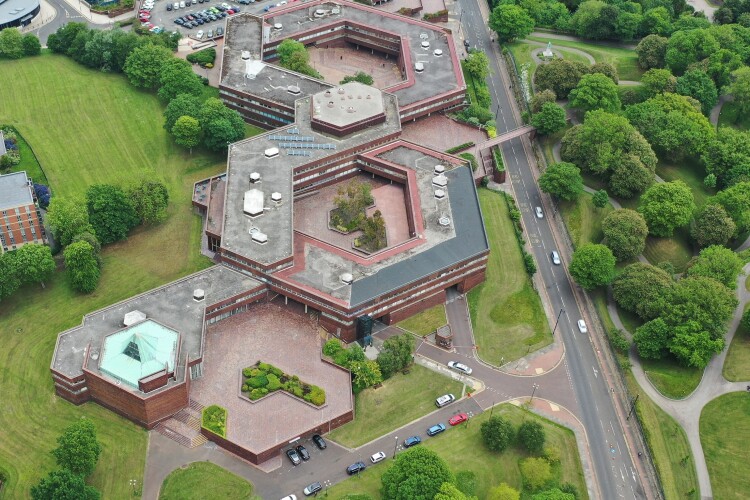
[555, 257]
[582, 326]
[539, 212]
[377, 457]
[460, 367]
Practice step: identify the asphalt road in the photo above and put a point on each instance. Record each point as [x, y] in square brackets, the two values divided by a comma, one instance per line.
[613, 464]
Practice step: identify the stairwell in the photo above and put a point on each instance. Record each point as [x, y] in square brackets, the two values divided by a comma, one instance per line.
[184, 426]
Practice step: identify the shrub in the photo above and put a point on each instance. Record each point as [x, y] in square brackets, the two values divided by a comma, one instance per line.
[264, 367]
[316, 396]
[203, 57]
[277, 371]
[460, 147]
[256, 382]
[331, 347]
[255, 394]
[471, 159]
[274, 384]
[619, 341]
[245, 387]
[215, 420]
[247, 372]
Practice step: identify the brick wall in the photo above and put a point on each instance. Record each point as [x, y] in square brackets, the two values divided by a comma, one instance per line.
[414, 308]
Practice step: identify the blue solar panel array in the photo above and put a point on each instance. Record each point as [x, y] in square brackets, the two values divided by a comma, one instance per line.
[296, 138]
[306, 145]
[298, 152]
[294, 131]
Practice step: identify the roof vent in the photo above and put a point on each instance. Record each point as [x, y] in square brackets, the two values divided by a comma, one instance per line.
[439, 194]
[437, 53]
[133, 317]
[330, 104]
[341, 90]
[440, 181]
[245, 55]
[350, 109]
[425, 44]
[254, 177]
[294, 90]
[319, 13]
[328, 93]
[253, 203]
[278, 27]
[335, 11]
[271, 152]
[276, 197]
[419, 67]
[199, 295]
[260, 238]
[347, 278]
[439, 169]
[444, 220]
[368, 96]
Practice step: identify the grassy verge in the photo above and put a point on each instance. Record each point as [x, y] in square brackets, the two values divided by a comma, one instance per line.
[29, 163]
[204, 480]
[462, 448]
[584, 220]
[725, 432]
[426, 322]
[547, 143]
[379, 411]
[506, 312]
[737, 363]
[670, 378]
[730, 117]
[625, 60]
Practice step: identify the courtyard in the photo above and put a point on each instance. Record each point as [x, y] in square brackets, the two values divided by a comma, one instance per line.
[337, 60]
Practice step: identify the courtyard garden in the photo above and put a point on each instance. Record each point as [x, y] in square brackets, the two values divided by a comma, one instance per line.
[426, 322]
[263, 379]
[350, 214]
[200, 480]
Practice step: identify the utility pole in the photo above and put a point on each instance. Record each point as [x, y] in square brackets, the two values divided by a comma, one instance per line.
[395, 446]
[535, 387]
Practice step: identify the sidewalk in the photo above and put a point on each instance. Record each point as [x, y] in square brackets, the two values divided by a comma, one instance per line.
[47, 13]
[96, 18]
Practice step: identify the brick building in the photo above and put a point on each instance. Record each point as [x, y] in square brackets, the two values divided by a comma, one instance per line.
[20, 220]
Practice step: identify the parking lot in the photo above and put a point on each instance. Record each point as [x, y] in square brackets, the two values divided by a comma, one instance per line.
[199, 19]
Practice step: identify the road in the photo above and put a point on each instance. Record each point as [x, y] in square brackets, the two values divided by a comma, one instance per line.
[613, 463]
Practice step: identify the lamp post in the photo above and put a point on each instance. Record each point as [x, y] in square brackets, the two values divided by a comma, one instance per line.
[395, 446]
[558, 320]
[535, 387]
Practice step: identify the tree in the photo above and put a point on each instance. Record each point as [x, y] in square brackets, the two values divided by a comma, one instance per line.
[739, 89]
[77, 448]
[667, 206]
[736, 201]
[652, 339]
[560, 76]
[187, 132]
[531, 435]
[694, 346]
[503, 492]
[625, 233]
[359, 76]
[550, 119]
[365, 374]
[34, 263]
[144, 64]
[449, 491]
[606, 69]
[92, 240]
[657, 21]
[294, 56]
[703, 301]
[600, 199]
[477, 64]
[655, 82]
[719, 263]
[111, 213]
[727, 154]
[698, 85]
[396, 354]
[592, 265]
[712, 226]
[497, 433]
[60, 40]
[31, 45]
[416, 474]
[720, 66]
[630, 177]
[554, 494]
[63, 485]
[9, 280]
[221, 125]
[594, 19]
[11, 43]
[177, 77]
[595, 91]
[540, 99]
[510, 22]
[67, 217]
[562, 180]
[651, 51]
[82, 264]
[149, 200]
[687, 47]
[182, 105]
[745, 322]
[642, 288]
[536, 472]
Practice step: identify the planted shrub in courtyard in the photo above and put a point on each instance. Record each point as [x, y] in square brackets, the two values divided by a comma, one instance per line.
[264, 378]
[215, 420]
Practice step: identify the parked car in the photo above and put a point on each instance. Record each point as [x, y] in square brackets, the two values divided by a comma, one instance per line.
[444, 400]
[303, 453]
[539, 212]
[460, 367]
[219, 31]
[356, 468]
[176, 5]
[293, 456]
[435, 429]
[199, 35]
[377, 457]
[179, 21]
[182, 5]
[582, 326]
[555, 257]
[290, 497]
[230, 12]
[311, 489]
[319, 441]
[457, 419]
[169, 7]
[412, 441]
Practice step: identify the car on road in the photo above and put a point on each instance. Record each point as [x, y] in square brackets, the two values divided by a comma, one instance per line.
[319, 441]
[582, 326]
[444, 400]
[303, 453]
[199, 35]
[377, 457]
[460, 367]
[466, 44]
[290, 497]
[435, 429]
[293, 456]
[312, 489]
[555, 257]
[412, 441]
[356, 468]
[457, 419]
[539, 212]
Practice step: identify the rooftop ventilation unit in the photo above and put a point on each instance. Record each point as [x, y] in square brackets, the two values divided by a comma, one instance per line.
[437, 53]
[350, 109]
[319, 13]
[440, 181]
[254, 177]
[133, 317]
[444, 220]
[341, 90]
[278, 27]
[347, 278]
[425, 44]
[418, 67]
[253, 203]
[245, 55]
[271, 152]
[199, 295]
[259, 238]
[439, 194]
[439, 169]
[294, 90]
[335, 11]
[276, 197]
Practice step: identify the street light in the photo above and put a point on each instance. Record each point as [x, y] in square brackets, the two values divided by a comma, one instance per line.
[557, 321]
[395, 447]
[535, 387]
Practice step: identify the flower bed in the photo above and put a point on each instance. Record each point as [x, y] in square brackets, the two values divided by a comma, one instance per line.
[215, 420]
[263, 379]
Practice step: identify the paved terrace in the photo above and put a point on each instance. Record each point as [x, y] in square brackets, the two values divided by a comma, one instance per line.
[172, 305]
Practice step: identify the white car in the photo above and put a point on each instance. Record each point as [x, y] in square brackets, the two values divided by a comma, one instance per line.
[182, 5]
[460, 367]
[290, 497]
[539, 212]
[377, 457]
[199, 35]
[444, 400]
[176, 5]
[582, 326]
[555, 257]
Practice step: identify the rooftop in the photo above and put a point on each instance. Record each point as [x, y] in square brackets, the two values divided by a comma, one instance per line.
[15, 190]
[10, 10]
[346, 104]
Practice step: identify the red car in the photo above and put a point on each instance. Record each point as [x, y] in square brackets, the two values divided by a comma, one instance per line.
[457, 419]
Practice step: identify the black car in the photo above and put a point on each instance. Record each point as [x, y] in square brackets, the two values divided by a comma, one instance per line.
[303, 453]
[179, 21]
[356, 468]
[201, 22]
[219, 32]
[319, 441]
[212, 17]
[169, 6]
[292, 454]
[244, 2]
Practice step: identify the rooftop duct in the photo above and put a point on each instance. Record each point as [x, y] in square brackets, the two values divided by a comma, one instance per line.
[444, 220]
[439, 169]
[254, 177]
[440, 180]
[259, 237]
[439, 194]
[253, 203]
[199, 295]
[347, 278]
[276, 197]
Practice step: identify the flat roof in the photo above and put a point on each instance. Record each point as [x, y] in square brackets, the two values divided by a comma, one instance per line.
[15, 190]
[172, 305]
[11, 10]
[347, 103]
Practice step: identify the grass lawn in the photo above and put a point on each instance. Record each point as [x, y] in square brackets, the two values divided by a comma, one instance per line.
[506, 312]
[691, 173]
[737, 362]
[463, 449]
[426, 322]
[379, 411]
[729, 117]
[725, 432]
[678, 249]
[547, 142]
[630, 320]
[88, 127]
[671, 378]
[625, 60]
[29, 163]
[201, 480]
[584, 220]
[522, 53]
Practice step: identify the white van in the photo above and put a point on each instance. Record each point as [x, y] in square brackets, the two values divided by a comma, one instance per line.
[444, 400]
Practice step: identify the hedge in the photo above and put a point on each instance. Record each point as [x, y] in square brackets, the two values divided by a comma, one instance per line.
[264, 378]
[460, 147]
[215, 420]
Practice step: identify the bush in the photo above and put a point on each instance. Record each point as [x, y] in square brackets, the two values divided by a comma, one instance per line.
[264, 367]
[203, 57]
[746, 320]
[619, 341]
[256, 382]
[274, 384]
[316, 396]
[331, 347]
[471, 159]
[529, 264]
[248, 372]
[341, 358]
[255, 394]
[245, 387]
[460, 147]
[215, 420]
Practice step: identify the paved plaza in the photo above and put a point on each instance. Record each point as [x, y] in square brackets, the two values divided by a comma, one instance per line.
[336, 62]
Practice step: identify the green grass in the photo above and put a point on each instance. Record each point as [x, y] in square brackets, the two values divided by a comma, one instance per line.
[200, 480]
[678, 249]
[730, 117]
[87, 127]
[670, 378]
[625, 60]
[630, 320]
[584, 220]
[691, 173]
[506, 312]
[379, 411]
[426, 322]
[547, 142]
[725, 433]
[737, 363]
[28, 163]
[462, 448]
[522, 53]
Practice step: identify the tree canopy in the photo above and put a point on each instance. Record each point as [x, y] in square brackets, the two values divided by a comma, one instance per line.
[177, 77]
[531, 435]
[687, 47]
[187, 132]
[416, 474]
[655, 82]
[625, 233]
[595, 91]
[562, 180]
[150, 200]
[359, 76]
[221, 125]
[77, 448]
[536, 472]
[67, 217]
[698, 85]
[510, 22]
[642, 288]
[739, 89]
[560, 76]
[181, 105]
[503, 492]
[549, 119]
[293, 55]
[666, 206]
[477, 64]
[111, 212]
[144, 64]
[651, 51]
[592, 265]
[497, 433]
[63, 485]
[34, 263]
[727, 156]
[736, 201]
[712, 226]
[719, 263]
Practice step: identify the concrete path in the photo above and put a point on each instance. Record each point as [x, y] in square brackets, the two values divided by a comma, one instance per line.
[716, 110]
[703, 5]
[571, 38]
